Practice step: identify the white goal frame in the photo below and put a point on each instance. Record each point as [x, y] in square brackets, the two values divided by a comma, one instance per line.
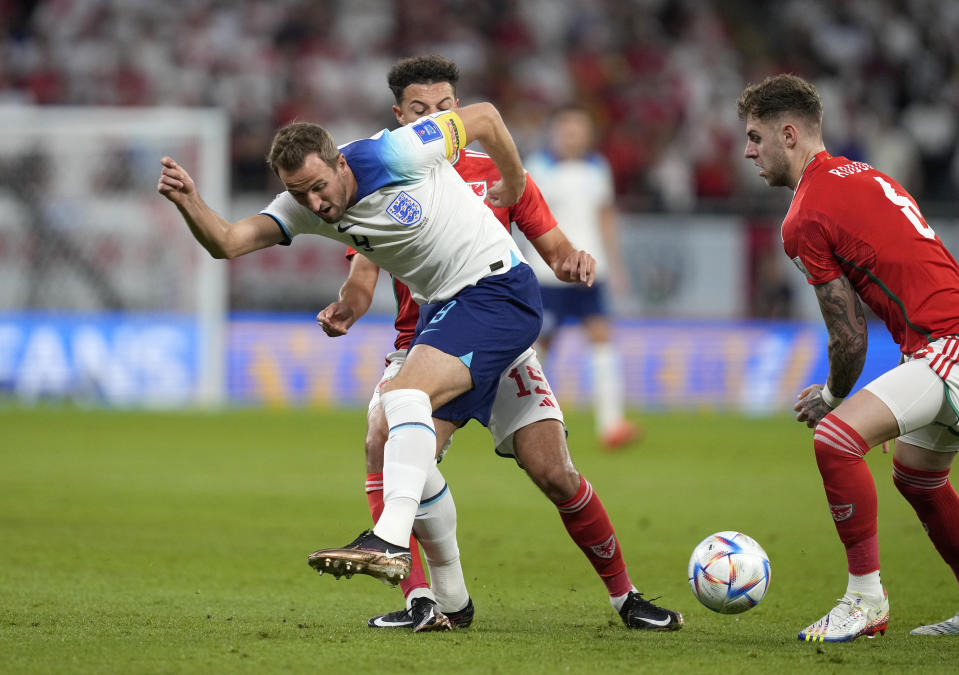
[210, 128]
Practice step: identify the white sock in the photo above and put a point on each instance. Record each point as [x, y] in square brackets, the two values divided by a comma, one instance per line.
[419, 593]
[608, 404]
[867, 585]
[407, 459]
[617, 601]
[435, 527]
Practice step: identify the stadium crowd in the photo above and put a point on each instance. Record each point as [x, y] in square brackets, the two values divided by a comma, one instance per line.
[660, 75]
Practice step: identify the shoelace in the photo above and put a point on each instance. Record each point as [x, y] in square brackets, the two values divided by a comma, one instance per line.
[645, 601]
[854, 606]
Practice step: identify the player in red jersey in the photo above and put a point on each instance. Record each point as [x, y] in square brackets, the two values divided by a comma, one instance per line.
[859, 237]
[526, 423]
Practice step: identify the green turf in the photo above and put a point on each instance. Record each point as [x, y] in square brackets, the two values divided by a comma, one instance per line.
[177, 543]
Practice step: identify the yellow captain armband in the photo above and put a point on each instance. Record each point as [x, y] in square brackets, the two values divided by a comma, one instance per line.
[454, 132]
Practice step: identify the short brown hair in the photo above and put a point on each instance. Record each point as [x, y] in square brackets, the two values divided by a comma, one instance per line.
[780, 94]
[422, 70]
[293, 142]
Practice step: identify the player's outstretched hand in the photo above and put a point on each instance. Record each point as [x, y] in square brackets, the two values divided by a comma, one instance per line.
[810, 408]
[580, 266]
[175, 183]
[336, 318]
[503, 195]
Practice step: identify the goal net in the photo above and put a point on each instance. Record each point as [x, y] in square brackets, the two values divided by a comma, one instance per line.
[103, 291]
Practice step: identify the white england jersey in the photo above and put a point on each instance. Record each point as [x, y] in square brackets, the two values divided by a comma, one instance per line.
[414, 216]
[575, 191]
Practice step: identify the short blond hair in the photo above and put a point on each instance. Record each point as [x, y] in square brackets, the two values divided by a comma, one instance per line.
[293, 142]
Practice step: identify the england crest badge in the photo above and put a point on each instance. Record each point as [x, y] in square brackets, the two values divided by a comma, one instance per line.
[405, 210]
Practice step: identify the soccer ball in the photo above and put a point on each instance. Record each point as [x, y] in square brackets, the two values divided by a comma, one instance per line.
[729, 572]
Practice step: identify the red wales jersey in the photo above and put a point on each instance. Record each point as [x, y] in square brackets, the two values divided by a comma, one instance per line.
[531, 215]
[848, 218]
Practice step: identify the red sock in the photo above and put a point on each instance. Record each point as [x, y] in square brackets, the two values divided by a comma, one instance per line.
[374, 497]
[937, 505]
[850, 491]
[588, 524]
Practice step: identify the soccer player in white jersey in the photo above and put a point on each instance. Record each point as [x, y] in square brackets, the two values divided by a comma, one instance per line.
[396, 197]
[526, 422]
[577, 184]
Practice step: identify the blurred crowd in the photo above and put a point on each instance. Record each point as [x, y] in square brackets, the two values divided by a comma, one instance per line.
[661, 76]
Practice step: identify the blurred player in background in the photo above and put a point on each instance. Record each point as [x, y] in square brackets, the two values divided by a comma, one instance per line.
[577, 184]
[526, 422]
[858, 236]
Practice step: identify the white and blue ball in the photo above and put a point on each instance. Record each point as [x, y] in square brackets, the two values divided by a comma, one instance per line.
[729, 572]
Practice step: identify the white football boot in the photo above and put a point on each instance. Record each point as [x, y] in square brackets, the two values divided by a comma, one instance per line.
[947, 627]
[853, 617]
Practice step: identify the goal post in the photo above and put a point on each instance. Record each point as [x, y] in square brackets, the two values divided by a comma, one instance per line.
[84, 233]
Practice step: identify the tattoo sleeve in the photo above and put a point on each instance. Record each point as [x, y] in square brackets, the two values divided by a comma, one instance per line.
[846, 322]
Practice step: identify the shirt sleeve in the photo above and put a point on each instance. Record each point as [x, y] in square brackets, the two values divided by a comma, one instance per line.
[810, 248]
[287, 214]
[531, 213]
[404, 155]
[440, 135]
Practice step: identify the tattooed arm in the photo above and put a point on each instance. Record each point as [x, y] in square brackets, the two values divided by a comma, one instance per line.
[846, 322]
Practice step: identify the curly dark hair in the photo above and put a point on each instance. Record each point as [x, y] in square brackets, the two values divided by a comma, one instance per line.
[421, 70]
[780, 94]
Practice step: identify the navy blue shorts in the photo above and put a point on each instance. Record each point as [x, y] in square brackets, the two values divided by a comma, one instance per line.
[487, 326]
[571, 301]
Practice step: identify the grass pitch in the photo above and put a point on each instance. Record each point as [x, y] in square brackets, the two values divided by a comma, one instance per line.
[177, 543]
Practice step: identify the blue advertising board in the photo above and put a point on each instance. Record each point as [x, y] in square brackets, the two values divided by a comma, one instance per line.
[286, 360]
[100, 359]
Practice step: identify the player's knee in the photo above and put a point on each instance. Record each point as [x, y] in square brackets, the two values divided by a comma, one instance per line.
[541, 450]
[917, 486]
[822, 449]
[559, 482]
[901, 481]
[835, 443]
[375, 440]
[598, 330]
